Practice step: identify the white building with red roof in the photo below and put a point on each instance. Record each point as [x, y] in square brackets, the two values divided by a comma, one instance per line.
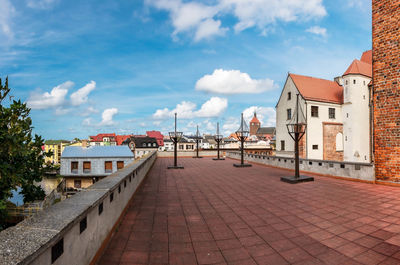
[337, 114]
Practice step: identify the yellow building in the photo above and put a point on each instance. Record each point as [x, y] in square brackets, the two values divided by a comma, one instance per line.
[57, 147]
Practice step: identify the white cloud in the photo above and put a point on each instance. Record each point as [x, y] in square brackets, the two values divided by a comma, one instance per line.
[317, 30]
[55, 98]
[41, 4]
[233, 82]
[262, 13]
[7, 11]
[107, 117]
[214, 107]
[266, 115]
[191, 16]
[209, 28]
[230, 126]
[81, 95]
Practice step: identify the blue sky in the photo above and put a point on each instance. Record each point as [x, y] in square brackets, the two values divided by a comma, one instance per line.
[86, 67]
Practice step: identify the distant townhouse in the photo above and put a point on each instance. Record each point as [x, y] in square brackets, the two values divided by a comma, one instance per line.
[337, 114]
[107, 139]
[142, 145]
[83, 166]
[159, 137]
[57, 147]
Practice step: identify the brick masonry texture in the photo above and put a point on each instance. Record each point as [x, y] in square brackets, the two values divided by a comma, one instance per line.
[330, 130]
[386, 80]
[213, 213]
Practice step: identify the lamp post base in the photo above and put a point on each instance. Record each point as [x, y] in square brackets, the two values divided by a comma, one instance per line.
[293, 180]
[175, 167]
[241, 165]
[197, 157]
[218, 158]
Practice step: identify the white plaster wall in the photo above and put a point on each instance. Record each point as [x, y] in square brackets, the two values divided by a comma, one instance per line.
[97, 165]
[281, 118]
[314, 134]
[356, 115]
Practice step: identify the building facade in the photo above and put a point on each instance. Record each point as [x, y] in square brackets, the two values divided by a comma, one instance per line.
[337, 114]
[56, 147]
[83, 166]
[142, 145]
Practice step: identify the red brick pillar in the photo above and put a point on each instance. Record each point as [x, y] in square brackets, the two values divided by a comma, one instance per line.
[386, 92]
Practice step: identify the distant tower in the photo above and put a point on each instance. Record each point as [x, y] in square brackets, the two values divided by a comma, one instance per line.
[254, 124]
[386, 88]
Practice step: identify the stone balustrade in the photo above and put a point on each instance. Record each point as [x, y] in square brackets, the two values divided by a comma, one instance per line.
[350, 170]
[73, 231]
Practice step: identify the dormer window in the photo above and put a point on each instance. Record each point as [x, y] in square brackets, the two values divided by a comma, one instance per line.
[289, 96]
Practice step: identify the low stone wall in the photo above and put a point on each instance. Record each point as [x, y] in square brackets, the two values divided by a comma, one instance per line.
[73, 231]
[359, 171]
[205, 153]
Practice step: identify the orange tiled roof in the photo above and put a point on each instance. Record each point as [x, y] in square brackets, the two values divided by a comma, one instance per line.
[255, 120]
[359, 67]
[366, 57]
[318, 89]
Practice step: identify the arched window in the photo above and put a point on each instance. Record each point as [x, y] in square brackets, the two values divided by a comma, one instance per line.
[339, 142]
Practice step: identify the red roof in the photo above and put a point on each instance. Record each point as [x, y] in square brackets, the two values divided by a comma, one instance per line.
[318, 89]
[254, 120]
[359, 67]
[366, 57]
[157, 135]
[99, 137]
[121, 138]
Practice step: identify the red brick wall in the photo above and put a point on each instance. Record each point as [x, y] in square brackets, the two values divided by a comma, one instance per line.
[330, 130]
[302, 146]
[386, 92]
[254, 128]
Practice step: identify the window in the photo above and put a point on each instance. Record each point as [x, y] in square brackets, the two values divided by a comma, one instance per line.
[108, 166]
[57, 250]
[100, 208]
[77, 183]
[74, 167]
[331, 113]
[282, 145]
[315, 147]
[354, 81]
[289, 96]
[181, 147]
[347, 115]
[339, 142]
[289, 114]
[154, 144]
[144, 144]
[364, 82]
[86, 167]
[149, 144]
[83, 225]
[347, 82]
[120, 164]
[314, 111]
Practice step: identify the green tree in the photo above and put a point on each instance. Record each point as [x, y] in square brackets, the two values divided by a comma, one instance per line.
[21, 155]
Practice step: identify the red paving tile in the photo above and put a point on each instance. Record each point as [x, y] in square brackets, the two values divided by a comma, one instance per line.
[213, 213]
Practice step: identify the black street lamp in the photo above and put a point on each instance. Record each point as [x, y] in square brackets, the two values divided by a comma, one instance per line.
[197, 138]
[175, 138]
[218, 138]
[296, 129]
[242, 133]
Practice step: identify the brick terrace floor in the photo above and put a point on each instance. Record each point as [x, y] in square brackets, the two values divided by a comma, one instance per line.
[213, 213]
